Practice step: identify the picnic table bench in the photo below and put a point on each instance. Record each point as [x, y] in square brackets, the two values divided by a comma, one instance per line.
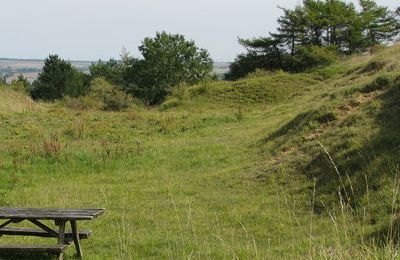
[36, 216]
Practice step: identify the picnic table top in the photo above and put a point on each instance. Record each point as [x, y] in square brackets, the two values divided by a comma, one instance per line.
[49, 214]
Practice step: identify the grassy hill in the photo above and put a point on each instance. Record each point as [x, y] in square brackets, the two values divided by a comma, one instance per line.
[272, 166]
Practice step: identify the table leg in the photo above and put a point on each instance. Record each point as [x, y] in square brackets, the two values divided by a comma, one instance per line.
[61, 232]
[75, 236]
[61, 236]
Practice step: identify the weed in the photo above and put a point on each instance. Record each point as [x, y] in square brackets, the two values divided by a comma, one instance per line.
[239, 114]
[52, 147]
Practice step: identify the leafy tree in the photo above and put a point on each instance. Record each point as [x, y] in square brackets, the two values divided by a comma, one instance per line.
[168, 61]
[59, 79]
[110, 70]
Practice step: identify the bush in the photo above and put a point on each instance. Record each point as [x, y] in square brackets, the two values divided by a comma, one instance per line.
[21, 84]
[103, 96]
[118, 101]
[312, 56]
[110, 96]
[248, 63]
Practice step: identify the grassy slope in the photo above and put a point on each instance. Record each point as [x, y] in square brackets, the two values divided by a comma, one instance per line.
[235, 171]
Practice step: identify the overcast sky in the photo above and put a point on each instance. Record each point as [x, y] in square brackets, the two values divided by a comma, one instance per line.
[93, 29]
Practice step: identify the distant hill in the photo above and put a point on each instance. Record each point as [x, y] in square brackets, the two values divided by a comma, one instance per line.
[30, 68]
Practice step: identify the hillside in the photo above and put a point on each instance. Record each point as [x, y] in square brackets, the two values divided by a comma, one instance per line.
[275, 165]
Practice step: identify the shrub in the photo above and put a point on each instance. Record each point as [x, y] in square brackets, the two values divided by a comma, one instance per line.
[21, 84]
[117, 101]
[110, 96]
[379, 83]
[312, 56]
[102, 95]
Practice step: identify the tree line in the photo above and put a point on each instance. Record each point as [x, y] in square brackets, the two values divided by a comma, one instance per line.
[314, 32]
[168, 60]
[311, 34]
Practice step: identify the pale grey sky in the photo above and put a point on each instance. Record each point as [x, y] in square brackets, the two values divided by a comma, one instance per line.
[93, 29]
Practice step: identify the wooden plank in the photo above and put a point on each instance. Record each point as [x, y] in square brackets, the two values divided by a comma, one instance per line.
[51, 249]
[50, 214]
[14, 231]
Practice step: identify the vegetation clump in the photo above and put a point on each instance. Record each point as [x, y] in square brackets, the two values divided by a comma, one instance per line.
[380, 83]
[59, 79]
[169, 60]
[101, 95]
[314, 33]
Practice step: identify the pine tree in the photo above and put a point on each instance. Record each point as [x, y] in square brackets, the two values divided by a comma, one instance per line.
[379, 24]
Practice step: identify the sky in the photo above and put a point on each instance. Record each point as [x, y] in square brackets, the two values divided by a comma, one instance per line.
[99, 29]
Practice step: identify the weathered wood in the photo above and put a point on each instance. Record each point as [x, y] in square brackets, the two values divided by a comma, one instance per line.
[50, 249]
[75, 237]
[15, 231]
[61, 232]
[49, 214]
[6, 223]
[59, 216]
[44, 227]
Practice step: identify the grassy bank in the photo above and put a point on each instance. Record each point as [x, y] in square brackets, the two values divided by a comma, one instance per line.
[272, 166]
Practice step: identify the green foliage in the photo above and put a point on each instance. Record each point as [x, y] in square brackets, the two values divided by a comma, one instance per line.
[379, 24]
[21, 84]
[59, 79]
[111, 70]
[312, 56]
[311, 33]
[101, 95]
[169, 60]
[112, 98]
[379, 83]
[250, 62]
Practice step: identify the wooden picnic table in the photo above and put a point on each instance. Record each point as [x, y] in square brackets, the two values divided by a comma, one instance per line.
[36, 216]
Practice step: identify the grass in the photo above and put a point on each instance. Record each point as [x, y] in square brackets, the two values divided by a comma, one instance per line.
[272, 166]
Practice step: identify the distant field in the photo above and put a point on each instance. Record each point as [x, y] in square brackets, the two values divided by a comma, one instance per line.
[11, 68]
